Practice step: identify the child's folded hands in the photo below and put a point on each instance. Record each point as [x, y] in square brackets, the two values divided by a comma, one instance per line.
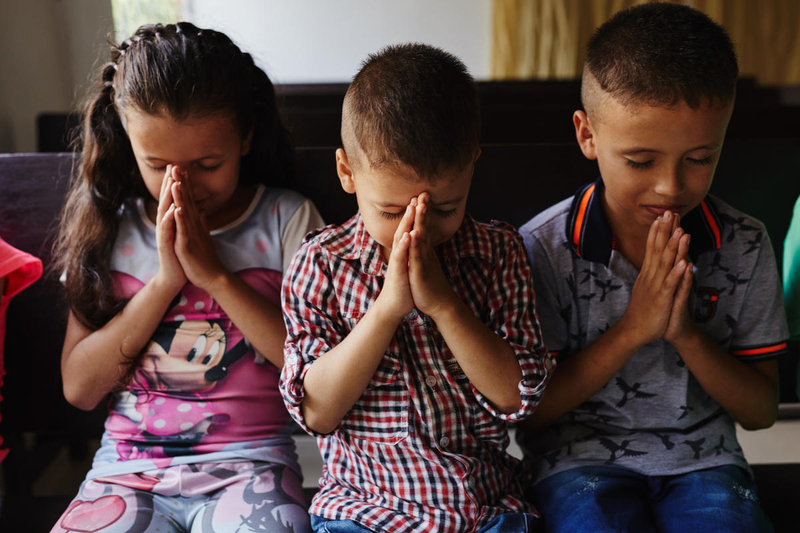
[663, 283]
[429, 286]
[170, 271]
[193, 245]
[396, 291]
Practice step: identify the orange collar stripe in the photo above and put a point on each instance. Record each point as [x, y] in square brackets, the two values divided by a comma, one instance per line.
[712, 223]
[576, 235]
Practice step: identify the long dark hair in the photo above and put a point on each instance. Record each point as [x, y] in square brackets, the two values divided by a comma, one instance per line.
[175, 70]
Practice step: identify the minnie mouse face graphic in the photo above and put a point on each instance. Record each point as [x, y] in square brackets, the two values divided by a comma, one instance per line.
[189, 356]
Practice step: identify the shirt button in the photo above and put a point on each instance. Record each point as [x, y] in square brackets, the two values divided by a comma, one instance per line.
[444, 442]
[430, 381]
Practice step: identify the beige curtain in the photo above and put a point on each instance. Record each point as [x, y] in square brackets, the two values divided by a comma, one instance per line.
[546, 39]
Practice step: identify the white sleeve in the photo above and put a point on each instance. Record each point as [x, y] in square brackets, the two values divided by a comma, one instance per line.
[304, 219]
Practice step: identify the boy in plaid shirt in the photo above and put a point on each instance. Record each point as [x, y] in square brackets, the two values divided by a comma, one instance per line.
[412, 339]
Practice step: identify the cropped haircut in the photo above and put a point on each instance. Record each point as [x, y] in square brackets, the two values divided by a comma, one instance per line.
[412, 104]
[178, 71]
[660, 54]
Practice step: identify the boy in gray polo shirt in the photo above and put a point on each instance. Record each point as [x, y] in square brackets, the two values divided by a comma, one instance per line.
[661, 302]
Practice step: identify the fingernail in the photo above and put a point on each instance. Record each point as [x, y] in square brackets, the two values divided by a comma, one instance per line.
[681, 263]
[676, 233]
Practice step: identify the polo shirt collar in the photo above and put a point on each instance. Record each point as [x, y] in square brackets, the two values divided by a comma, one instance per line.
[589, 234]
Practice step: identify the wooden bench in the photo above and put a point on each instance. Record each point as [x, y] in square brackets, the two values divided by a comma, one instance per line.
[512, 112]
[512, 182]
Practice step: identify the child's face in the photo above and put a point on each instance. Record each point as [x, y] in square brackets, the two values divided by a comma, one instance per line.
[384, 193]
[209, 148]
[653, 159]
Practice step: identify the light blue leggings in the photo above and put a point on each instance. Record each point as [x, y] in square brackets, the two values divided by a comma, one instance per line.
[229, 497]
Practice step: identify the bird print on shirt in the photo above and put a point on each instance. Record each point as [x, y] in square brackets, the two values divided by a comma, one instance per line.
[754, 243]
[720, 447]
[696, 446]
[606, 287]
[587, 275]
[716, 265]
[731, 323]
[736, 225]
[665, 440]
[619, 450]
[735, 282]
[633, 390]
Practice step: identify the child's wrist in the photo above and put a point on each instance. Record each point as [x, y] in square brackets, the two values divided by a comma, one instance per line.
[168, 287]
[386, 313]
[447, 310]
[218, 283]
[688, 336]
[628, 334]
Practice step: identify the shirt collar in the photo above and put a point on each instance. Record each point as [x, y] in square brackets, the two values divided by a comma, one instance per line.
[589, 233]
[352, 241]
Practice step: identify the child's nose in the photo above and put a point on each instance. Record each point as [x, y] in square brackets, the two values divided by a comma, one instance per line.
[670, 182]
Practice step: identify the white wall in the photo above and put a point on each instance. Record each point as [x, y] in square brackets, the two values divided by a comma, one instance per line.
[306, 41]
[47, 50]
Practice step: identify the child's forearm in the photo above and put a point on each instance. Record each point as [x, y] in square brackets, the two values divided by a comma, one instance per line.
[260, 322]
[749, 392]
[487, 359]
[338, 378]
[94, 362]
[582, 375]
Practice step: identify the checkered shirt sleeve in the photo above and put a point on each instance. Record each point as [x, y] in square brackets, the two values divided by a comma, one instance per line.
[310, 306]
[511, 314]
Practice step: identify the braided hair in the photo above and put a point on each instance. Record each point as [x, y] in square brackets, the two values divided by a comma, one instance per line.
[178, 71]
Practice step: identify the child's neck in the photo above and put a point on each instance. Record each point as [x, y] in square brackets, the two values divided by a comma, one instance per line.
[630, 239]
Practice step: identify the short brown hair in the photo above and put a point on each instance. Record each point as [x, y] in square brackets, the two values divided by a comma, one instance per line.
[660, 54]
[412, 104]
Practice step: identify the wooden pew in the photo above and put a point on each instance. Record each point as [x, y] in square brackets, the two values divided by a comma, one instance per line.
[513, 112]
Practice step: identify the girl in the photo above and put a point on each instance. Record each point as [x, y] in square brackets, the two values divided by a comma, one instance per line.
[173, 241]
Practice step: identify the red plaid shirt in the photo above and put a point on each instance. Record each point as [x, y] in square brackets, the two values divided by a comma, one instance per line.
[422, 449]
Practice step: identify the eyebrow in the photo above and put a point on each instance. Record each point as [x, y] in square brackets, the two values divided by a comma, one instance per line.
[151, 159]
[437, 204]
[651, 151]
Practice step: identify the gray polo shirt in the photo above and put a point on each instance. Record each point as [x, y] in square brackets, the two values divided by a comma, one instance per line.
[653, 416]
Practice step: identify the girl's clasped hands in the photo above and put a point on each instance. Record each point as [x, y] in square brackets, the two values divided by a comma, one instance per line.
[186, 252]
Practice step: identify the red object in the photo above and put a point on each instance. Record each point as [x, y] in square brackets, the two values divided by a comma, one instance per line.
[19, 269]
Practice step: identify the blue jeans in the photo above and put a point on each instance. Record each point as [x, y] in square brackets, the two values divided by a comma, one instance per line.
[505, 523]
[613, 499]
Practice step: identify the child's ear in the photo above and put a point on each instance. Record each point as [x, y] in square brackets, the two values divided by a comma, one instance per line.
[584, 132]
[246, 143]
[345, 172]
